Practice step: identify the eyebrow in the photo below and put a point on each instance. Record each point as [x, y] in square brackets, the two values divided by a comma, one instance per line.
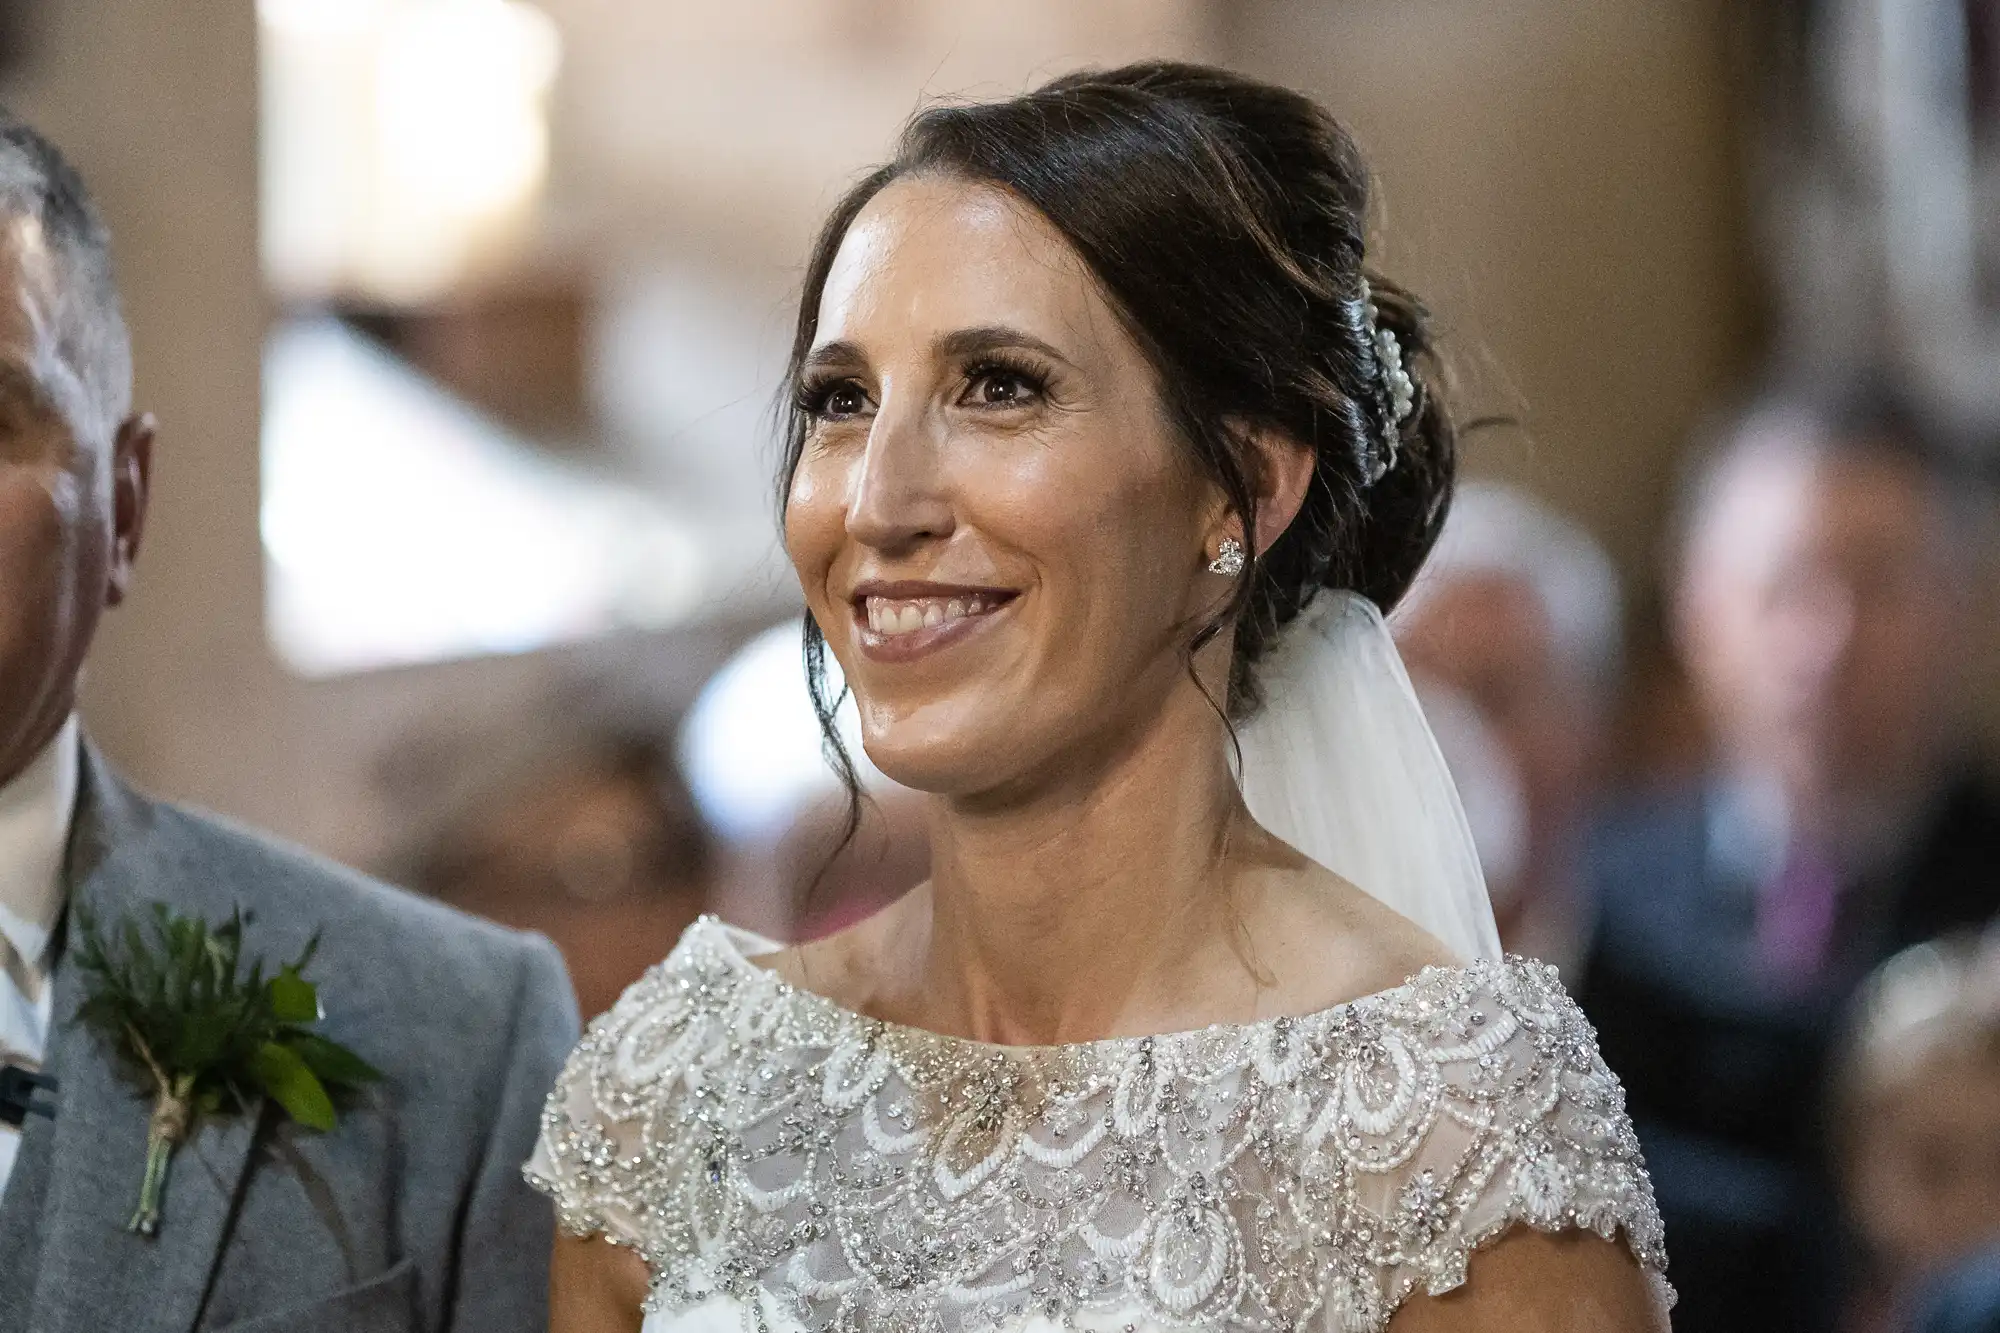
[966, 343]
[960, 344]
[841, 353]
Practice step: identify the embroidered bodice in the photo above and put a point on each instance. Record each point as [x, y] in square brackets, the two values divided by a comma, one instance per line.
[773, 1154]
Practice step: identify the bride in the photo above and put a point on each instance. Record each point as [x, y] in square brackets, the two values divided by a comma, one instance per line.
[1107, 454]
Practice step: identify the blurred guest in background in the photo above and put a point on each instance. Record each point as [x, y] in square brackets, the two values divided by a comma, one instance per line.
[1823, 610]
[754, 754]
[1517, 617]
[1490, 789]
[1917, 1127]
[585, 833]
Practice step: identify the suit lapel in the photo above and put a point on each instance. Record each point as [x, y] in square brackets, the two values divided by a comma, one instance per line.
[95, 1274]
[21, 1224]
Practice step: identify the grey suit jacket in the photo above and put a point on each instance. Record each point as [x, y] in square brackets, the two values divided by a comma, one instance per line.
[410, 1215]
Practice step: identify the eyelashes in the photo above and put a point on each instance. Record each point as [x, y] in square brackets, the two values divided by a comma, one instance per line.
[816, 393]
[992, 383]
[1025, 381]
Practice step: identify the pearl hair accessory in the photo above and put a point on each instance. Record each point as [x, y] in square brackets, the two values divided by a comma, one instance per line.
[1228, 560]
[1396, 382]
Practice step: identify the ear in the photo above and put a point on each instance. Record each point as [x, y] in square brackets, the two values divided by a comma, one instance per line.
[1285, 472]
[131, 485]
[1281, 473]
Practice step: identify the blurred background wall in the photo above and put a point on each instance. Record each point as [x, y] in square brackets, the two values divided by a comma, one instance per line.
[159, 107]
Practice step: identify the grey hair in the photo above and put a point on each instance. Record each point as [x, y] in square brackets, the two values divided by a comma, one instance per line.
[1866, 419]
[37, 183]
[1496, 529]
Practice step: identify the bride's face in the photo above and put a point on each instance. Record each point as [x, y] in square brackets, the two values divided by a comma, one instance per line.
[995, 526]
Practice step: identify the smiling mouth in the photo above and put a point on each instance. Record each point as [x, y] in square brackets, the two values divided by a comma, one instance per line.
[903, 621]
[891, 617]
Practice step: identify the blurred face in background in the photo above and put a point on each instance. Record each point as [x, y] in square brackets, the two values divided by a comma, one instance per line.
[1487, 637]
[1923, 1168]
[589, 853]
[1822, 617]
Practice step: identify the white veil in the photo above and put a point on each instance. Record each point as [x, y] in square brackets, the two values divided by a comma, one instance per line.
[1341, 764]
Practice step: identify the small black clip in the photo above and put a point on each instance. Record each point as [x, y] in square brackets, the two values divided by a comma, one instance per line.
[18, 1086]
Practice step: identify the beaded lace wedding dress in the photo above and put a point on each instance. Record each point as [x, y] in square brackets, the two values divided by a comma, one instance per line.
[786, 1164]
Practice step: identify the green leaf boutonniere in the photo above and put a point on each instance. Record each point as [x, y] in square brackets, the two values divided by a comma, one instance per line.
[202, 1036]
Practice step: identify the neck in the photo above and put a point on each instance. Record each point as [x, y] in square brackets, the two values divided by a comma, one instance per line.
[28, 744]
[1063, 914]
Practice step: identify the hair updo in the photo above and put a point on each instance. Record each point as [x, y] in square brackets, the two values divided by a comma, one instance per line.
[1224, 220]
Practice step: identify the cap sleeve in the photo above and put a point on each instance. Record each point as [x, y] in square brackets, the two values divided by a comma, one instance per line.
[611, 1137]
[1469, 1102]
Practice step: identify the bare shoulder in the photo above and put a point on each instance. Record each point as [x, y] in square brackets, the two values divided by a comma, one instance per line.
[1318, 940]
[1536, 1282]
[850, 966]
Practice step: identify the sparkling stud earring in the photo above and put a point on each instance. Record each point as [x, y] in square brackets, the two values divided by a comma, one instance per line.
[1228, 560]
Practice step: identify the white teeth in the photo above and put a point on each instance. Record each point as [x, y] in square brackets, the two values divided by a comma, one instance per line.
[904, 617]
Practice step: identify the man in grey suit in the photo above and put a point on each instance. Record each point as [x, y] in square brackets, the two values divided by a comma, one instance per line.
[410, 1214]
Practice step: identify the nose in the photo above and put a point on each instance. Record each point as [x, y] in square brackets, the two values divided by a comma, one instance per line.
[899, 500]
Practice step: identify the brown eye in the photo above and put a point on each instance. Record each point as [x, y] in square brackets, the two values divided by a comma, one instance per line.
[997, 386]
[835, 401]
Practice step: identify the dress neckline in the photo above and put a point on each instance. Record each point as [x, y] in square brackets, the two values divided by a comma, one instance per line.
[741, 949]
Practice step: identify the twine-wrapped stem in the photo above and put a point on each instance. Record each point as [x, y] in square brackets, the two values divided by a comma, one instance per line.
[166, 1130]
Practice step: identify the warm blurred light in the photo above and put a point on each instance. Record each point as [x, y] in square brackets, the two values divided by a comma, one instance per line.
[751, 745]
[405, 142]
[400, 526]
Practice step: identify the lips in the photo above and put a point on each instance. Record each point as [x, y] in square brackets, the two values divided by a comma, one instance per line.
[900, 621]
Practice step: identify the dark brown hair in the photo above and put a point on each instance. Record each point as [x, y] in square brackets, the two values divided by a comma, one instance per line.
[1224, 220]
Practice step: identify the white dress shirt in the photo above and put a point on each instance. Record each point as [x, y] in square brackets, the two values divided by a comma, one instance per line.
[36, 809]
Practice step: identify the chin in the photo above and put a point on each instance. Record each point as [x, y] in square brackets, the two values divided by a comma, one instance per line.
[949, 756]
[938, 766]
